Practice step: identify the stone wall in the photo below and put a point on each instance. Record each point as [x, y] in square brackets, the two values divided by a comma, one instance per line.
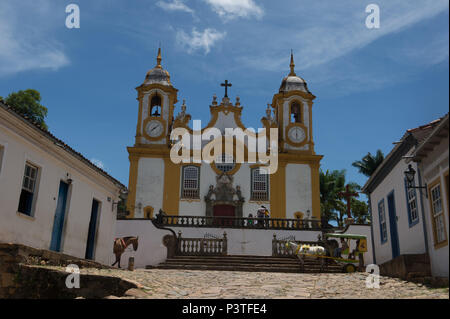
[23, 275]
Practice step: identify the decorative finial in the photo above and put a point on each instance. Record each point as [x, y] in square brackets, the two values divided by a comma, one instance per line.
[268, 111]
[158, 58]
[214, 102]
[238, 101]
[292, 65]
[183, 107]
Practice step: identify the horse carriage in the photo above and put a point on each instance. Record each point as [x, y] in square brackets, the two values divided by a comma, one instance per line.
[329, 252]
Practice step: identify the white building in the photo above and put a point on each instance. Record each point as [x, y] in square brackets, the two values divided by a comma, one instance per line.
[431, 155]
[203, 192]
[400, 218]
[51, 197]
[156, 182]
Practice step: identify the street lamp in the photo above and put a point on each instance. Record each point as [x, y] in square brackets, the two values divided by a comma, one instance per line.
[410, 174]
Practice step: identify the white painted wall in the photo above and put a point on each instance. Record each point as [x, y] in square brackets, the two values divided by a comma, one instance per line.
[298, 189]
[87, 184]
[411, 239]
[434, 166]
[150, 185]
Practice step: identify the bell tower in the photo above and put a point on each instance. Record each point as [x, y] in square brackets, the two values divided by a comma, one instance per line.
[293, 110]
[157, 98]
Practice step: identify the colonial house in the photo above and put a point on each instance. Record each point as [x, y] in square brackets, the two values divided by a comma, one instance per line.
[51, 197]
[431, 157]
[398, 206]
[205, 199]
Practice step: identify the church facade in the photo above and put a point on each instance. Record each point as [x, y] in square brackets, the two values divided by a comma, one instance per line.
[225, 186]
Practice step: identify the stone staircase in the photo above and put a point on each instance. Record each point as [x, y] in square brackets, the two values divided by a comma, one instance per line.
[247, 263]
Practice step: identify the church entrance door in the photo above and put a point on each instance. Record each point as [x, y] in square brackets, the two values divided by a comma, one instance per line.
[223, 211]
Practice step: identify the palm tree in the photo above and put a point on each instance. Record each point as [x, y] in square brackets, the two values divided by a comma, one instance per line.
[332, 206]
[369, 163]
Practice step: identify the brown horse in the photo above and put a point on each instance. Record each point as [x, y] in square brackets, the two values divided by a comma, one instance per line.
[120, 244]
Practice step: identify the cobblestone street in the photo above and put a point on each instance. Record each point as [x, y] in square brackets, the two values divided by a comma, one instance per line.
[245, 285]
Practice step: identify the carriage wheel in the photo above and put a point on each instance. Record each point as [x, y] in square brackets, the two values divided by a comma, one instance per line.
[349, 268]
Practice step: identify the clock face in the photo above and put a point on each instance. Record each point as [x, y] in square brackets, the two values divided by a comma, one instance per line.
[296, 134]
[154, 128]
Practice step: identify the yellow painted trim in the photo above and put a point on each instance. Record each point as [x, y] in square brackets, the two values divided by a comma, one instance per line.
[278, 192]
[443, 243]
[315, 189]
[311, 140]
[138, 126]
[148, 212]
[446, 185]
[132, 184]
[171, 193]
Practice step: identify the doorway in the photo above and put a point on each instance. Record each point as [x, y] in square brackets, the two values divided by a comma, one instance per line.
[393, 225]
[223, 211]
[58, 222]
[92, 232]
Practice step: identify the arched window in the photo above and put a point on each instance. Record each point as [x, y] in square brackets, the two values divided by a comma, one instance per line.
[296, 115]
[155, 105]
[259, 185]
[191, 182]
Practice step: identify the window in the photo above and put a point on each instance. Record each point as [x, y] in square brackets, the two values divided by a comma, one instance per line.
[2, 151]
[296, 113]
[437, 215]
[260, 185]
[382, 217]
[411, 202]
[28, 189]
[225, 163]
[191, 181]
[155, 106]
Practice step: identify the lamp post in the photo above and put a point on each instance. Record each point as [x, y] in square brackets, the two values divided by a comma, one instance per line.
[410, 174]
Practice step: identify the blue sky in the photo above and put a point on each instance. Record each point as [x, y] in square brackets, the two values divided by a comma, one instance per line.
[371, 84]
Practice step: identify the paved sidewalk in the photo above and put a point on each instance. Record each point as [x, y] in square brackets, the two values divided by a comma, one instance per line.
[160, 283]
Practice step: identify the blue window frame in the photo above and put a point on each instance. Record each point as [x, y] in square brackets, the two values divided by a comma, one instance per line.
[382, 220]
[411, 204]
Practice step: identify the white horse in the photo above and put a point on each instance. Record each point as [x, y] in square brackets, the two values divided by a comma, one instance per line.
[312, 250]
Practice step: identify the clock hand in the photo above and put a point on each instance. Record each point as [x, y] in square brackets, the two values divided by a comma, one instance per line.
[153, 129]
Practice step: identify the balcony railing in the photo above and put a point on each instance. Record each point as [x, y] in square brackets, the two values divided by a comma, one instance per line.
[236, 222]
[202, 246]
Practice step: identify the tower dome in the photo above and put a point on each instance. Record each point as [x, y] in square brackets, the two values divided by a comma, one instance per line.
[158, 75]
[292, 82]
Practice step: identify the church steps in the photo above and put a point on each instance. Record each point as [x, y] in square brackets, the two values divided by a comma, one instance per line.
[246, 263]
[253, 268]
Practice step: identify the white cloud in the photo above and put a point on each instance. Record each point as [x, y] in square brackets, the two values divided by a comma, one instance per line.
[199, 40]
[28, 46]
[176, 5]
[98, 163]
[230, 9]
[328, 32]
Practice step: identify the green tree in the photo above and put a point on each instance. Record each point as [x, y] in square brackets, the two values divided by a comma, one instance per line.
[360, 211]
[369, 163]
[28, 103]
[333, 206]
